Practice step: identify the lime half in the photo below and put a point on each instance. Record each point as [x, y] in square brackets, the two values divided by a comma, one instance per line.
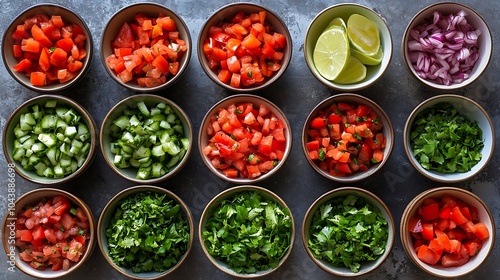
[331, 53]
[368, 59]
[363, 34]
[354, 72]
[337, 23]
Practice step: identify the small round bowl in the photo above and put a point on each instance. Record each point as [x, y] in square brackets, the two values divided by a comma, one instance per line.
[485, 42]
[31, 198]
[344, 10]
[387, 130]
[127, 14]
[151, 100]
[230, 194]
[368, 197]
[474, 112]
[69, 17]
[206, 124]
[108, 213]
[9, 137]
[469, 198]
[226, 13]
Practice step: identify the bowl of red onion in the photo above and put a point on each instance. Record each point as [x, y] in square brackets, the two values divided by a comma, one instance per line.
[447, 46]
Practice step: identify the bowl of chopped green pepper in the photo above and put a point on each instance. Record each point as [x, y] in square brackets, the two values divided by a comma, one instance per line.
[449, 138]
[146, 138]
[50, 139]
[348, 232]
[247, 231]
[145, 232]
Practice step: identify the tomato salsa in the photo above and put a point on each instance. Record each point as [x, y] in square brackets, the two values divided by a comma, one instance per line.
[346, 138]
[48, 49]
[245, 141]
[244, 51]
[447, 231]
[147, 50]
[52, 234]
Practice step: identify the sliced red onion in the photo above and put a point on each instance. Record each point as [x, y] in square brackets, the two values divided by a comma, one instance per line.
[444, 49]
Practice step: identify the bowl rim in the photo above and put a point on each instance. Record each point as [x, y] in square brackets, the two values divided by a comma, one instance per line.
[134, 190]
[75, 200]
[89, 120]
[344, 87]
[157, 99]
[61, 86]
[229, 193]
[409, 151]
[253, 98]
[416, 201]
[182, 66]
[286, 59]
[342, 191]
[387, 126]
[431, 84]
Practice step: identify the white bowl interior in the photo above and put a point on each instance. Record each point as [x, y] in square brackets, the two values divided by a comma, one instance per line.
[369, 198]
[215, 202]
[107, 214]
[344, 10]
[9, 137]
[32, 198]
[485, 40]
[150, 100]
[234, 99]
[387, 130]
[474, 112]
[68, 17]
[484, 216]
[227, 12]
[127, 14]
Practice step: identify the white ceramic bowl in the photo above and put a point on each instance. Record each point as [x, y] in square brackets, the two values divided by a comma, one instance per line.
[344, 10]
[387, 130]
[368, 197]
[484, 216]
[29, 199]
[203, 137]
[14, 119]
[485, 42]
[225, 13]
[109, 211]
[126, 14]
[228, 194]
[474, 112]
[68, 17]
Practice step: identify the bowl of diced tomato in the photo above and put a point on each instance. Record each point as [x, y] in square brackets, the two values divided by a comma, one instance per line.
[347, 137]
[244, 47]
[47, 48]
[447, 231]
[48, 233]
[146, 47]
[244, 138]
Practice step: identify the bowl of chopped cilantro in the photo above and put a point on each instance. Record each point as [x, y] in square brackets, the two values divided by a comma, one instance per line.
[247, 231]
[348, 231]
[145, 232]
[449, 138]
[146, 138]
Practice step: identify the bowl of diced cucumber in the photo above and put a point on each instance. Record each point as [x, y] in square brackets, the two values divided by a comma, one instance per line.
[50, 139]
[146, 138]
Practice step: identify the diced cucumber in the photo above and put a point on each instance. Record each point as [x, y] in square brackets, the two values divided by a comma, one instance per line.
[150, 139]
[49, 140]
[51, 104]
[49, 122]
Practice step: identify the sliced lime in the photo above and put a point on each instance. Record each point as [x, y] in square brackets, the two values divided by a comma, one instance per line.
[363, 34]
[353, 72]
[368, 59]
[331, 53]
[337, 23]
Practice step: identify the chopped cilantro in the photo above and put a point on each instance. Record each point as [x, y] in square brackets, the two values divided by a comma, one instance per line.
[347, 231]
[248, 232]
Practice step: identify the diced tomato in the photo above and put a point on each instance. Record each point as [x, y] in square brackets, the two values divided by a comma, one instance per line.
[427, 256]
[480, 230]
[457, 216]
[430, 212]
